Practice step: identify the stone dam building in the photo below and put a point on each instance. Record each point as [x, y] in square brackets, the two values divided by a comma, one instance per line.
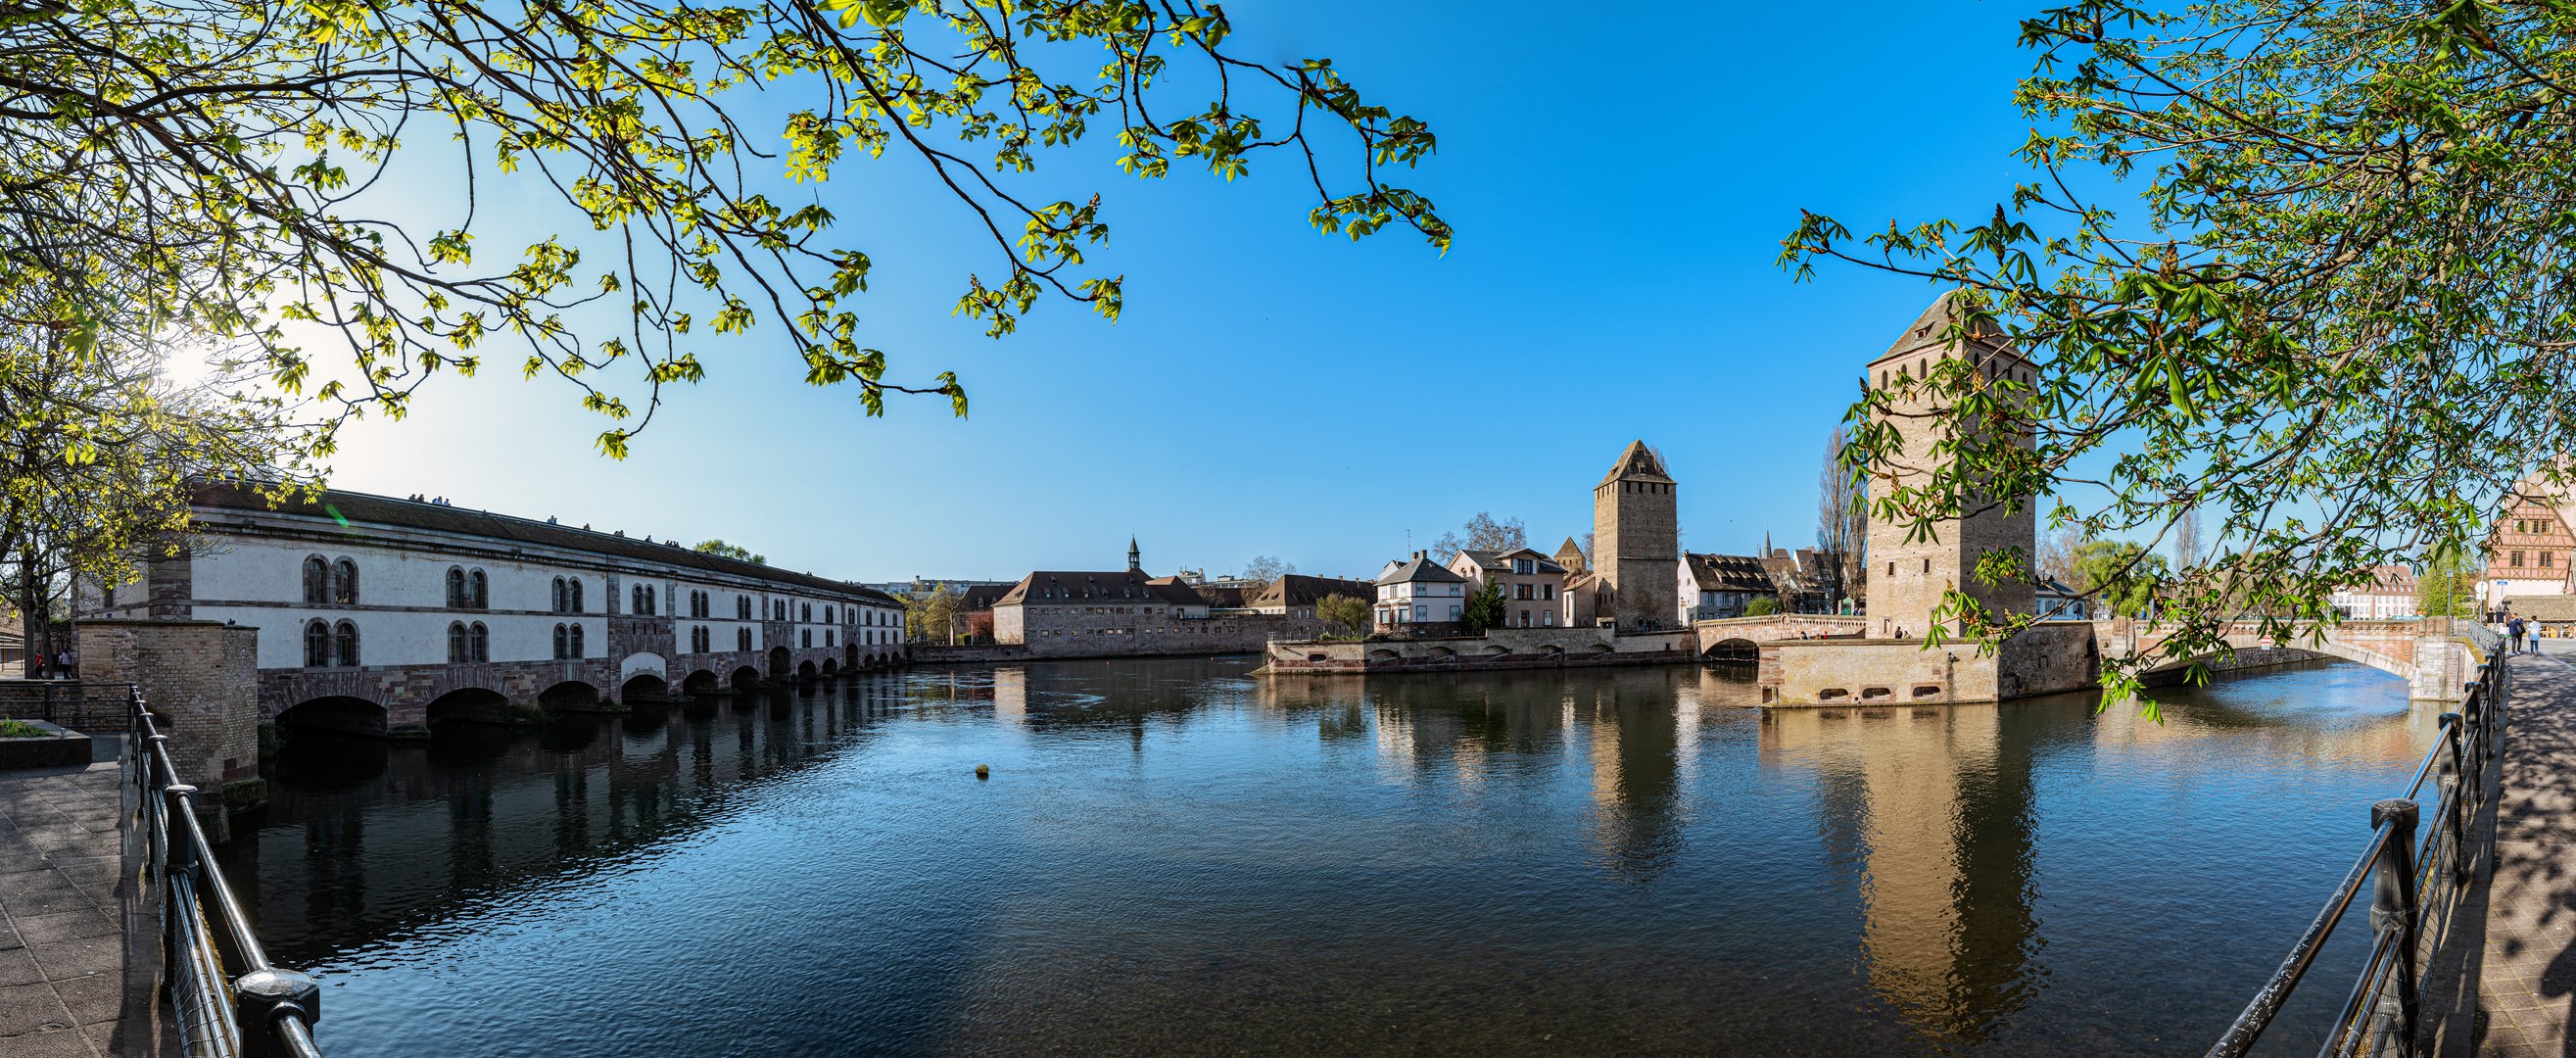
[377, 615]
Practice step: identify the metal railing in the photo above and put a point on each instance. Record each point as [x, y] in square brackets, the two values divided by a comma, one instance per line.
[2416, 890]
[228, 998]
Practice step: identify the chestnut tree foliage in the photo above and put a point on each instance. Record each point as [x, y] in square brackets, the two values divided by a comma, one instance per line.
[2337, 318]
[222, 153]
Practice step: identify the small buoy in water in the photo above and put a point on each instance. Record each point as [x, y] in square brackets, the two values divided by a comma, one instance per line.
[983, 771]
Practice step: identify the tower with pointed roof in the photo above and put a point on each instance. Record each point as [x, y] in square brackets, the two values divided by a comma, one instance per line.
[1907, 578]
[1636, 540]
[1135, 558]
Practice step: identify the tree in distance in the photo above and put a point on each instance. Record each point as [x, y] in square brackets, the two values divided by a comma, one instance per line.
[721, 549]
[2334, 318]
[1484, 609]
[1349, 611]
[1482, 533]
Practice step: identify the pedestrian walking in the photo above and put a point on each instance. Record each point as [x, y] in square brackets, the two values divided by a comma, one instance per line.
[2513, 634]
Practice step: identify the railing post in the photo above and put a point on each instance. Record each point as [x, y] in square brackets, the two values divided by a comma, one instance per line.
[262, 997]
[179, 855]
[2393, 910]
[2454, 787]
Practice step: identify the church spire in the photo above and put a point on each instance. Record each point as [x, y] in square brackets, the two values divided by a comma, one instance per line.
[1766, 543]
[1135, 558]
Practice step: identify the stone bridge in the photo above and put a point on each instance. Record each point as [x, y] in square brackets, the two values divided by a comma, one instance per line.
[2433, 656]
[1737, 637]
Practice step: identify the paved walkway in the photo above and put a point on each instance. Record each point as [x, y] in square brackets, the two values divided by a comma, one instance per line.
[71, 984]
[2527, 983]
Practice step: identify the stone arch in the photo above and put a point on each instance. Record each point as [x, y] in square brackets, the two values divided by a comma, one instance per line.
[1495, 650]
[745, 678]
[781, 662]
[569, 696]
[831, 668]
[474, 705]
[701, 682]
[1550, 650]
[1600, 648]
[644, 664]
[1733, 651]
[341, 713]
[644, 687]
[850, 651]
[805, 670]
[1381, 654]
[1443, 654]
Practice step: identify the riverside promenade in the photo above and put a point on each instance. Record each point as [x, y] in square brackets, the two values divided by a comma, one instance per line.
[2527, 975]
[77, 958]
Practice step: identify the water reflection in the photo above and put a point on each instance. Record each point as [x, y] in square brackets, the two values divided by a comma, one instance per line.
[1172, 856]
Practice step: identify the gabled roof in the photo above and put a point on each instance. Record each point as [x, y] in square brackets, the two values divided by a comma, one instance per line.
[361, 507]
[1730, 573]
[1638, 463]
[981, 596]
[1931, 330]
[2052, 586]
[1422, 570]
[1078, 587]
[1500, 559]
[1569, 548]
[1297, 589]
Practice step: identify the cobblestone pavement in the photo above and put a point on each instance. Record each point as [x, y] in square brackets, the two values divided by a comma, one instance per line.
[2527, 987]
[69, 986]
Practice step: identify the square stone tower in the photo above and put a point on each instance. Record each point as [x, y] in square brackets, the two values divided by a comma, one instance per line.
[1636, 542]
[1907, 578]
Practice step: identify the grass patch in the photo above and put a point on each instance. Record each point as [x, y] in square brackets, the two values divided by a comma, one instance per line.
[22, 729]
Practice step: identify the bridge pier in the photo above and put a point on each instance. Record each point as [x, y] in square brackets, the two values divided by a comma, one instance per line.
[2443, 665]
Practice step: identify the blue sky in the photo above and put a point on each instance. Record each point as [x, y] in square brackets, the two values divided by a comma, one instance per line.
[1619, 189]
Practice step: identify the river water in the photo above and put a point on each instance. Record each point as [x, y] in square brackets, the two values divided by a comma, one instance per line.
[1171, 857]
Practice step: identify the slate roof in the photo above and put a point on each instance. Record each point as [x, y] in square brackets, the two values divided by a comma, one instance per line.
[1297, 589]
[1638, 463]
[1929, 331]
[1421, 570]
[371, 509]
[980, 597]
[1730, 573]
[1079, 587]
[1502, 559]
[1218, 597]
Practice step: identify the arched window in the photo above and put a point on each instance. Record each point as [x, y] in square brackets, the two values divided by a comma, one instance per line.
[316, 581]
[742, 638]
[344, 582]
[652, 599]
[827, 615]
[317, 645]
[457, 652]
[635, 600]
[455, 588]
[742, 607]
[344, 645]
[698, 640]
[563, 643]
[480, 639]
[805, 612]
[573, 587]
[827, 637]
[559, 601]
[576, 642]
[474, 584]
[808, 639]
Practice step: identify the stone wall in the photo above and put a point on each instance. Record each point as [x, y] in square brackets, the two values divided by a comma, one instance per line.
[1497, 649]
[968, 653]
[2048, 658]
[1874, 672]
[1070, 632]
[202, 680]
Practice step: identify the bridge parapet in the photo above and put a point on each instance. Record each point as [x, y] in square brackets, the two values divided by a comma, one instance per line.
[1773, 628]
